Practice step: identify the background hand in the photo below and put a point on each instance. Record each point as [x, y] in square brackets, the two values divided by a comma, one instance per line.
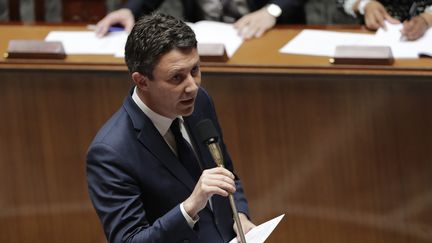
[247, 225]
[376, 14]
[414, 28]
[217, 180]
[255, 24]
[122, 16]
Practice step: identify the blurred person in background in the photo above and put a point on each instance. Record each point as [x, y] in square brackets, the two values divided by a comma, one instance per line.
[416, 15]
[252, 18]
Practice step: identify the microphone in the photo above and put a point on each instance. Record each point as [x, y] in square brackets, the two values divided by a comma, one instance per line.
[209, 136]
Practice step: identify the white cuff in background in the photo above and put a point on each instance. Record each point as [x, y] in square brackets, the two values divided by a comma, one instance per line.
[348, 7]
[428, 9]
[361, 6]
[274, 10]
[188, 218]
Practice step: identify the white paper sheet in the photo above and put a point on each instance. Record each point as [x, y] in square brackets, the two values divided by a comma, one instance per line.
[211, 32]
[402, 48]
[391, 34]
[86, 42]
[260, 233]
[323, 43]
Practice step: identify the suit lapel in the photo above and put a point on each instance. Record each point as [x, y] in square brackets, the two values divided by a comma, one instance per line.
[149, 136]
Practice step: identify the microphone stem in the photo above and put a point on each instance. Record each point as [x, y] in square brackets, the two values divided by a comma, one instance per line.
[237, 219]
[236, 216]
[217, 156]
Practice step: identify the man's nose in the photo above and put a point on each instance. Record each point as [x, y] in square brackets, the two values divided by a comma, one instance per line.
[192, 84]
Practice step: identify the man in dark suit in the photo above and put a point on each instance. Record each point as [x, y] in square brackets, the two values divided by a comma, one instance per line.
[251, 17]
[141, 187]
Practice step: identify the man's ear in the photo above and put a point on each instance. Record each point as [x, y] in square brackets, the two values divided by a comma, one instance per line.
[140, 80]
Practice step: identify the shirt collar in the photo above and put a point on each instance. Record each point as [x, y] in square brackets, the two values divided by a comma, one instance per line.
[161, 123]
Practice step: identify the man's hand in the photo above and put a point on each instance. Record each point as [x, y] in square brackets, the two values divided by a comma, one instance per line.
[213, 181]
[122, 16]
[376, 14]
[247, 225]
[255, 24]
[414, 28]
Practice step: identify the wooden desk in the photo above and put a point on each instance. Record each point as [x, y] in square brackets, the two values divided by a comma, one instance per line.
[344, 151]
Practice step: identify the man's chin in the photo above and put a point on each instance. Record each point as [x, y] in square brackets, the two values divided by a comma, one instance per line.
[188, 110]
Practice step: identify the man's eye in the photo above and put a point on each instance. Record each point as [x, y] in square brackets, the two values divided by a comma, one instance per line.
[177, 78]
[195, 70]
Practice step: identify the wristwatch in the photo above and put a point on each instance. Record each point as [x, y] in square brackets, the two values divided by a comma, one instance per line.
[274, 10]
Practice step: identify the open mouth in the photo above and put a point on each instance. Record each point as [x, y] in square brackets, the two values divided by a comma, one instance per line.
[188, 101]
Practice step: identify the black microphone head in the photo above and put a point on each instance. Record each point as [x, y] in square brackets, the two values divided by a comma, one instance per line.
[206, 131]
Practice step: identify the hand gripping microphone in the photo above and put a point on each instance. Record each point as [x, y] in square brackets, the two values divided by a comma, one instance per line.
[209, 136]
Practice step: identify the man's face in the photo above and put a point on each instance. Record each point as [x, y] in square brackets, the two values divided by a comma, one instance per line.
[175, 83]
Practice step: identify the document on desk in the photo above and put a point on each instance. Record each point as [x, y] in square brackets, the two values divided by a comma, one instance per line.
[212, 32]
[401, 47]
[260, 233]
[323, 43]
[87, 43]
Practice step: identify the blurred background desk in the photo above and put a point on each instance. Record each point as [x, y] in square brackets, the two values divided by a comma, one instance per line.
[344, 151]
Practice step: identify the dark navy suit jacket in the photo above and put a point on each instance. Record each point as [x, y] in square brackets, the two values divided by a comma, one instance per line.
[136, 183]
[292, 10]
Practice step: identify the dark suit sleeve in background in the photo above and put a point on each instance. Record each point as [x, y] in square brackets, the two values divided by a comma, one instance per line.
[292, 10]
[141, 7]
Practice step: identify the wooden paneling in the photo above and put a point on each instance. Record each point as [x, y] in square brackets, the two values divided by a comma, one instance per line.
[347, 160]
[47, 123]
[84, 11]
[13, 10]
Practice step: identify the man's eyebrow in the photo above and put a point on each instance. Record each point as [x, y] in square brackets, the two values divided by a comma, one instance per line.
[176, 70]
[197, 63]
